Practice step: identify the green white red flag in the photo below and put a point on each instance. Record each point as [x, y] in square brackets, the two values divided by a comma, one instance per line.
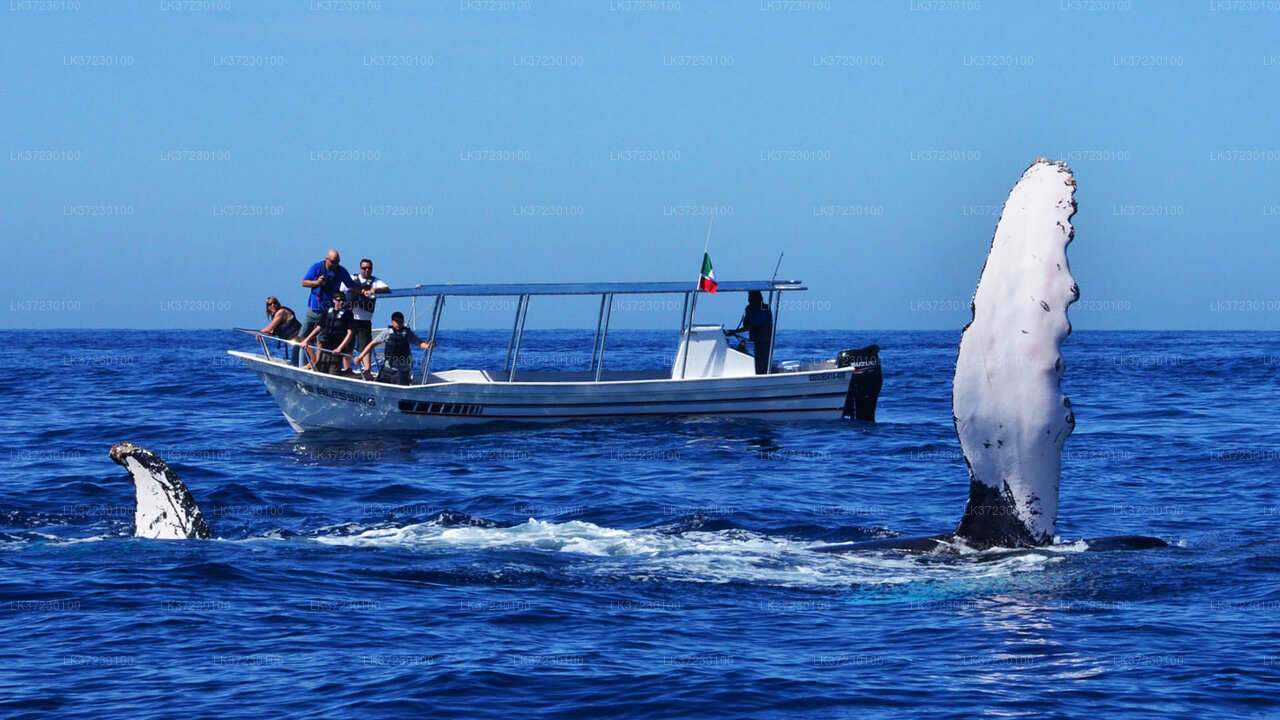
[707, 281]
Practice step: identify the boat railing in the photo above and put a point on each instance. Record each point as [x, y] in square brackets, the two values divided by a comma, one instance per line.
[265, 340]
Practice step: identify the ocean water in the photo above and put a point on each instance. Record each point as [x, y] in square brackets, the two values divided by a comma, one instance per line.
[640, 569]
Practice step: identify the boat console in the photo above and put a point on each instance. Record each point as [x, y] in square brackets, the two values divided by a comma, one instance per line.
[705, 353]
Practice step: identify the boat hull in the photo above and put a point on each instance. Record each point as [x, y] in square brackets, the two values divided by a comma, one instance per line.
[313, 401]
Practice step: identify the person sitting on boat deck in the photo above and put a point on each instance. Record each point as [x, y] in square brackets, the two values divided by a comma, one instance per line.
[757, 320]
[335, 336]
[325, 278]
[362, 304]
[284, 325]
[397, 358]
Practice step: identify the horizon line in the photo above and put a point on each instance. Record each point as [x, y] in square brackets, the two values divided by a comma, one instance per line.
[579, 329]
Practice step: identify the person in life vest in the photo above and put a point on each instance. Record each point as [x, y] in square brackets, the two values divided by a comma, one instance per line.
[757, 320]
[335, 336]
[361, 297]
[284, 324]
[397, 358]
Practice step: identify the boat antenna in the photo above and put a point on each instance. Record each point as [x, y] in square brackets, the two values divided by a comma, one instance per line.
[707, 245]
[775, 268]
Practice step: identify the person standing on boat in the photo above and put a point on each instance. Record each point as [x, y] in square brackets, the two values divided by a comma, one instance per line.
[397, 359]
[335, 336]
[284, 325]
[362, 304]
[757, 320]
[325, 279]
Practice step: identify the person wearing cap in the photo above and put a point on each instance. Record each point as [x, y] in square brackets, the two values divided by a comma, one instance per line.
[397, 359]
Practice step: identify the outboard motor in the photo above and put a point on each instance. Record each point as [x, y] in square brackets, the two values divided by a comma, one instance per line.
[864, 383]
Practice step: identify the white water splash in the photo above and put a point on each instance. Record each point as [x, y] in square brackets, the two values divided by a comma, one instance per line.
[721, 556]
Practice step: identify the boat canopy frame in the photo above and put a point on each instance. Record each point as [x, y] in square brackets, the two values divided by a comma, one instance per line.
[606, 290]
[598, 288]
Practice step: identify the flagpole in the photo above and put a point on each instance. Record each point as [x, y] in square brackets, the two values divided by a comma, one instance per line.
[706, 247]
[697, 288]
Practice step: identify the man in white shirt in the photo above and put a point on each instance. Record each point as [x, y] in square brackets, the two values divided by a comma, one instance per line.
[362, 304]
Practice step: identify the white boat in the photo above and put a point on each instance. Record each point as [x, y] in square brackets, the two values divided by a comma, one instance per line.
[707, 378]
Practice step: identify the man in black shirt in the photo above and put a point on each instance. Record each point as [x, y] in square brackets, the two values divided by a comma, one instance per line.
[757, 320]
[335, 331]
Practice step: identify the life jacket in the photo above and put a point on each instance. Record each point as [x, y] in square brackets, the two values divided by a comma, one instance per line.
[334, 326]
[289, 328]
[355, 295]
[396, 350]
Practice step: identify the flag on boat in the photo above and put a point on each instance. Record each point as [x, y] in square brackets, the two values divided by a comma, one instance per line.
[708, 279]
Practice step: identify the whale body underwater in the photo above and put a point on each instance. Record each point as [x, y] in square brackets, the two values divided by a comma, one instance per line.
[1010, 414]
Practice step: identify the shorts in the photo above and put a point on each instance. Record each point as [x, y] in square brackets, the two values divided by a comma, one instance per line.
[314, 318]
[363, 333]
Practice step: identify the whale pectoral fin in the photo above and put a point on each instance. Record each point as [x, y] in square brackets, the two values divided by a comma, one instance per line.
[165, 508]
[1010, 414]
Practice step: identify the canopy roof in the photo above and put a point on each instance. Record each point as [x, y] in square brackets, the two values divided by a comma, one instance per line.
[598, 288]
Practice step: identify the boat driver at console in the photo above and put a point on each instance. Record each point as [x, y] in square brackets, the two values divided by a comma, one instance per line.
[335, 331]
[397, 359]
[757, 320]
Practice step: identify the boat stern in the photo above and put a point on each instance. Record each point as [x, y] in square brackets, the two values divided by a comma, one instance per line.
[864, 382]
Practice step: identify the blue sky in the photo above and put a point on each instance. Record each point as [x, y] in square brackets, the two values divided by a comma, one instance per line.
[169, 163]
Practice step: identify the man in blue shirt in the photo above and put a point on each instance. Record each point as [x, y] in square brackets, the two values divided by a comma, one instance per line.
[325, 278]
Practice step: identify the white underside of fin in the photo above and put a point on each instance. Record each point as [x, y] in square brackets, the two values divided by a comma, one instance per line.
[1011, 416]
[158, 514]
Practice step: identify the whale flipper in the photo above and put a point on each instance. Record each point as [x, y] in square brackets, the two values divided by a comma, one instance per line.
[165, 509]
[1009, 410]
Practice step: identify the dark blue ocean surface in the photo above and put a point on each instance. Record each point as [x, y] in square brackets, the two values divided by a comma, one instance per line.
[645, 569]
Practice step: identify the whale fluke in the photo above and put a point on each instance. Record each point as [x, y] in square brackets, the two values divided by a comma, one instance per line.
[1009, 410]
[165, 509]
